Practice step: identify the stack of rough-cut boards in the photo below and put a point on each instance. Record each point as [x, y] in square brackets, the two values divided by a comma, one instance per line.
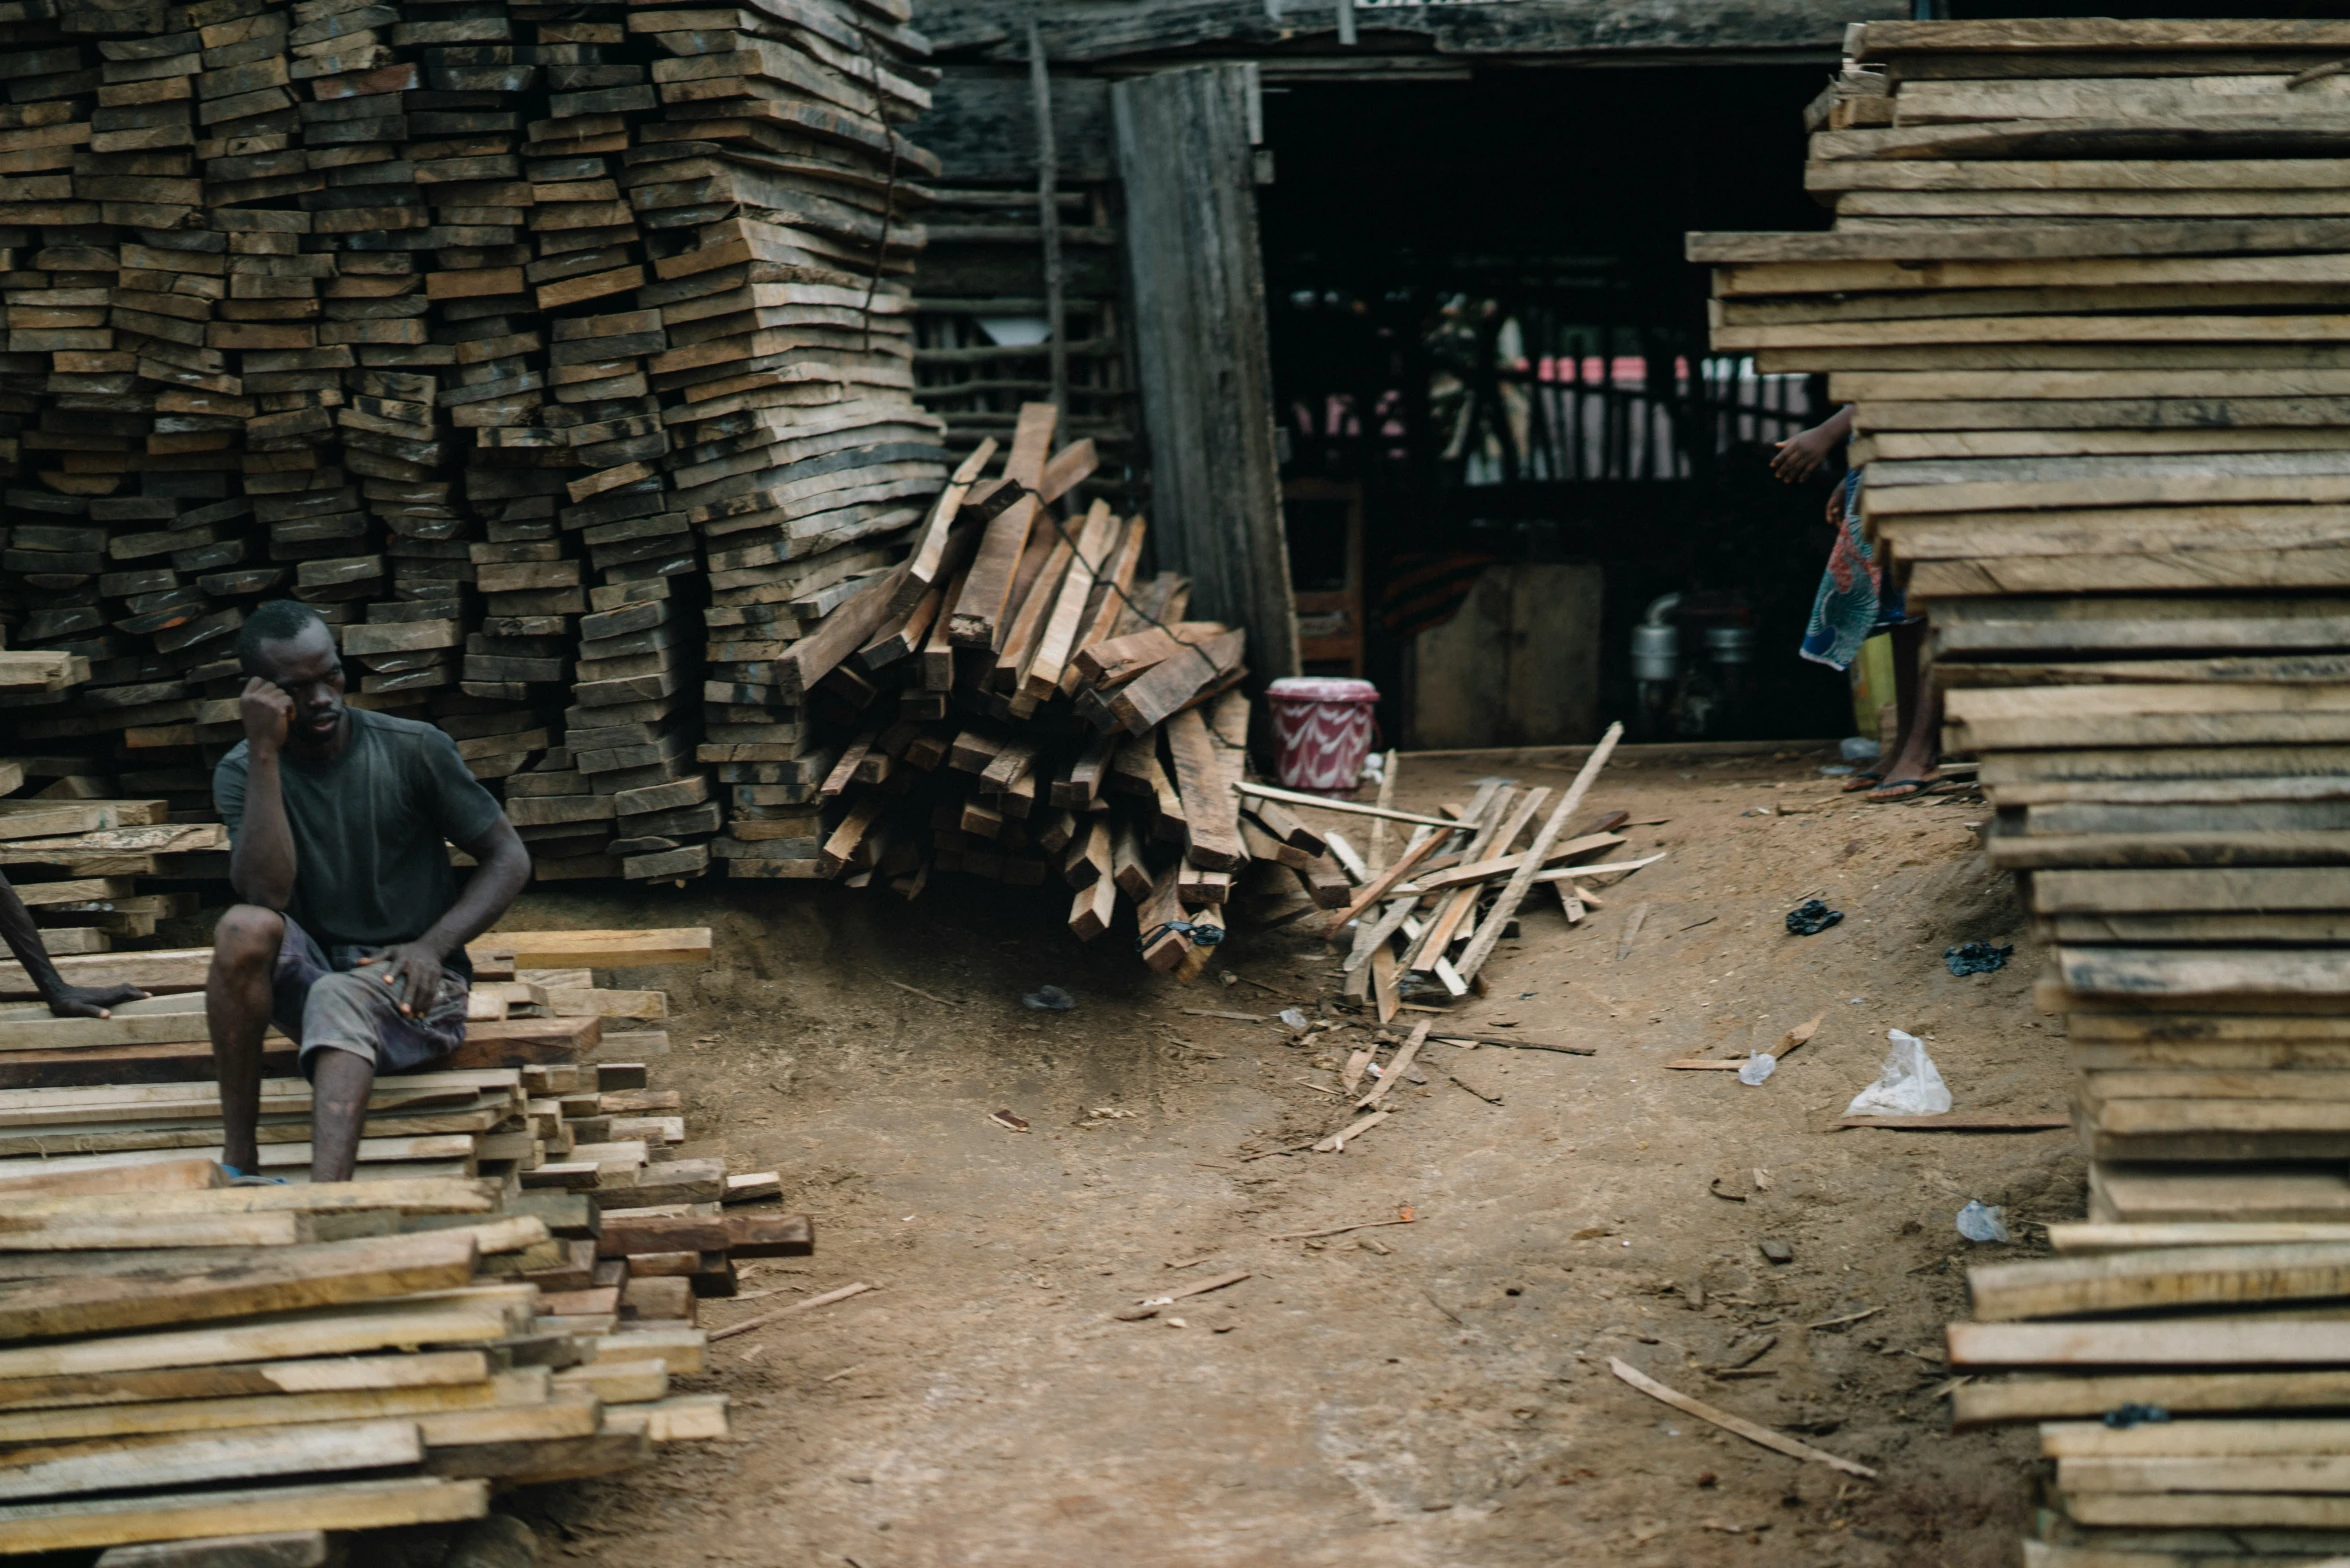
[508, 336]
[74, 858]
[1018, 706]
[2189, 1381]
[501, 1297]
[2088, 292]
[184, 1359]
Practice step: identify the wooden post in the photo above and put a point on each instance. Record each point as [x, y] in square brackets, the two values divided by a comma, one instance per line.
[1048, 211]
[1185, 159]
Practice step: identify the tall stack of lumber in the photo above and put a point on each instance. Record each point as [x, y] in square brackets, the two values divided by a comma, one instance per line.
[2088, 291]
[502, 1296]
[2187, 1380]
[509, 340]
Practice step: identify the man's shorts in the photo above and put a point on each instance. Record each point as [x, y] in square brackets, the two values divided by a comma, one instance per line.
[325, 1001]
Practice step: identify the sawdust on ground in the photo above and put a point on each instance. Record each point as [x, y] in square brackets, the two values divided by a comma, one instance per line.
[1423, 1394]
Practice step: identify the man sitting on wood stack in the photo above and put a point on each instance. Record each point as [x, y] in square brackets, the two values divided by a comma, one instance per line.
[351, 934]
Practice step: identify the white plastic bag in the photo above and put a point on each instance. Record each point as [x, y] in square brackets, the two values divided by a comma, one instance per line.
[1757, 1068]
[1909, 1085]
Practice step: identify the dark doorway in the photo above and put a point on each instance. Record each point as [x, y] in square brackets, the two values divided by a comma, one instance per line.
[1481, 318]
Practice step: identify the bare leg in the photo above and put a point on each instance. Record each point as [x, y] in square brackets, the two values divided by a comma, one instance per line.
[236, 1014]
[340, 1084]
[1918, 750]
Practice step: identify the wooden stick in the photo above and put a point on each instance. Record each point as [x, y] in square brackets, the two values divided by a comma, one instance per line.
[1421, 847]
[1522, 881]
[1395, 1067]
[797, 1307]
[1508, 1044]
[1351, 807]
[1377, 859]
[1336, 1230]
[1775, 1441]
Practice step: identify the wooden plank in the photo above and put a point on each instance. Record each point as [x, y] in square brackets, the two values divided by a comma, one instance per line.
[2220, 1439]
[287, 1279]
[2181, 1510]
[89, 1232]
[2272, 1472]
[2020, 241]
[1982, 1403]
[1174, 684]
[1198, 316]
[154, 1179]
[2162, 1277]
[1058, 635]
[172, 969]
[366, 1445]
[2254, 1341]
[595, 949]
[1210, 808]
[343, 1331]
[282, 1549]
[48, 1399]
[1522, 880]
[2090, 1237]
[344, 1505]
[408, 1197]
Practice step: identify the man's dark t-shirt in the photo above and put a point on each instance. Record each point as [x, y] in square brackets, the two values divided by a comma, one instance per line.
[370, 866]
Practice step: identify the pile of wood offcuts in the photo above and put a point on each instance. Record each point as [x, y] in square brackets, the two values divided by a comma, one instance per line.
[2088, 292]
[503, 1296]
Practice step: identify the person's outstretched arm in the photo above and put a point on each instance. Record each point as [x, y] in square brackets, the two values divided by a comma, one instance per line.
[1801, 455]
[66, 1001]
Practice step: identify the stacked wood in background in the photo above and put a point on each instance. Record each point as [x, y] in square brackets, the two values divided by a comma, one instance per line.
[2088, 292]
[394, 309]
[503, 1294]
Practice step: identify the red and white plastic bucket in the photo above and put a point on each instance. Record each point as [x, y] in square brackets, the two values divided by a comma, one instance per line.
[1323, 725]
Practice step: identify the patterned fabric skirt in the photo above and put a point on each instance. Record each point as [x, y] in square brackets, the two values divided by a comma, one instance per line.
[1854, 602]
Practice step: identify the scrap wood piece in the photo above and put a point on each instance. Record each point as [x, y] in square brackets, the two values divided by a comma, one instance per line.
[1503, 864]
[1568, 874]
[1508, 1044]
[1788, 1043]
[1396, 1065]
[1958, 1123]
[929, 556]
[1497, 919]
[1777, 1442]
[1167, 688]
[2162, 1277]
[797, 1307]
[1147, 1307]
[1211, 815]
[1408, 1218]
[1350, 807]
[1336, 1143]
[617, 949]
[1632, 925]
[178, 1516]
[1423, 845]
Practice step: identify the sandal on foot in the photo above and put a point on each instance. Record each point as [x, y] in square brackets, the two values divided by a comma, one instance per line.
[238, 1178]
[1861, 781]
[1908, 788]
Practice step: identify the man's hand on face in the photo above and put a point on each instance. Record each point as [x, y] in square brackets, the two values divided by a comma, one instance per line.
[267, 714]
[413, 971]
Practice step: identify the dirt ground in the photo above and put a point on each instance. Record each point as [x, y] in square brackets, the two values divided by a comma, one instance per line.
[1422, 1394]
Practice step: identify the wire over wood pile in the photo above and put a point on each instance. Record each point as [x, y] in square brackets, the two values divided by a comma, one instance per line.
[1022, 708]
[2088, 292]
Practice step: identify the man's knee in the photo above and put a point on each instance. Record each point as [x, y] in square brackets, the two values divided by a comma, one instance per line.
[248, 935]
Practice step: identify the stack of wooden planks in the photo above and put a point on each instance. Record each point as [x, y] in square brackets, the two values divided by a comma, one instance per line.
[503, 1296]
[1422, 928]
[511, 338]
[2187, 1380]
[75, 859]
[2088, 292]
